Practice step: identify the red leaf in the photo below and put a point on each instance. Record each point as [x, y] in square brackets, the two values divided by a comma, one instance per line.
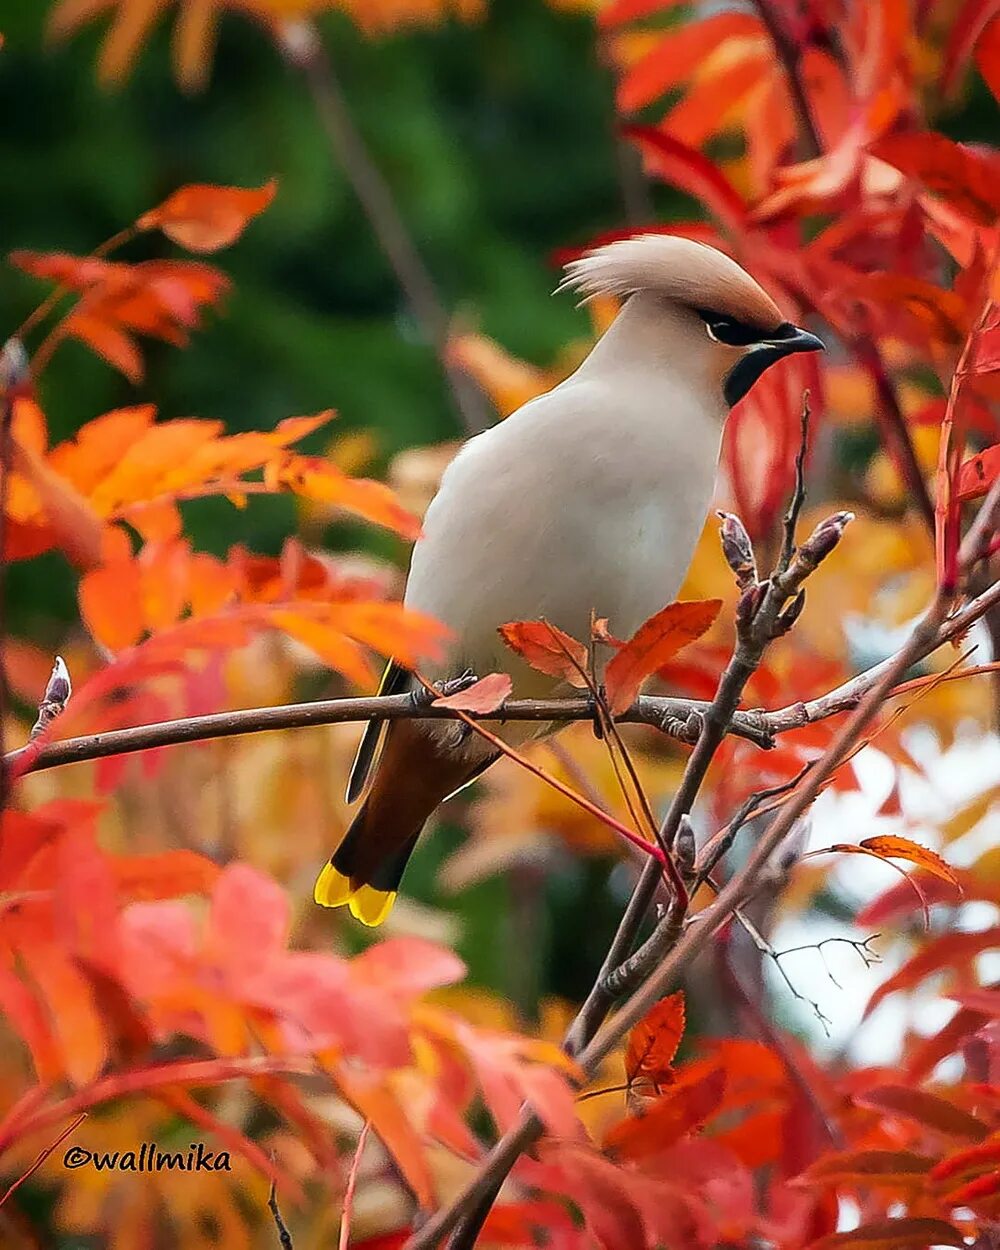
[905, 1234]
[408, 966]
[973, 1160]
[866, 1167]
[966, 28]
[977, 475]
[653, 1042]
[950, 950]
[988, 53]
[676, 56]
[547, 649]
[206, 218]
[485, 696]
[926, 1109]
[968, 179]
[685, 167]
[653, 644]
[899, 900]
[676, 1112]
[985, 1001]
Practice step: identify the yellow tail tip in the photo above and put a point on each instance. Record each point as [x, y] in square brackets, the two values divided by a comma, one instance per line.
[371, 906]
[367, 904]
[332, 888]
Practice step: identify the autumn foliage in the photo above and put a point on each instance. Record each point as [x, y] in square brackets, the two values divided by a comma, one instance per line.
[162, 967]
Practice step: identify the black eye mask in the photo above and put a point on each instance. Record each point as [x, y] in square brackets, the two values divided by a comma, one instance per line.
[766, 347]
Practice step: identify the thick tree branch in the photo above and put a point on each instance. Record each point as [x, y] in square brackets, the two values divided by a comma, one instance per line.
[671, 716]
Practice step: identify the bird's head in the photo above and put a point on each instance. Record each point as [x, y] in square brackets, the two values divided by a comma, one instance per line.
[716, 318]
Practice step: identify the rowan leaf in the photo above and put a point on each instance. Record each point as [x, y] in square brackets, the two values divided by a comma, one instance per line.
[652, 645]
[978, 474]
[674, 1113]
[948, 950]
[547, 649]
[911, 1233]
[866, 1167]
[652, 1043]
[968, 179]
[975, 1159]
[205, 218]
[988, 55]
[926, 1109]
[889, 846]
[677, 55]
[685, 167]
[487, 695]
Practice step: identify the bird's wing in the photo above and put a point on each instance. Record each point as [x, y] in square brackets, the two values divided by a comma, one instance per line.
[394, 681]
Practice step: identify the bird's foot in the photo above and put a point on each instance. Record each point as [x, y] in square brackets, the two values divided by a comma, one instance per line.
[455, 685]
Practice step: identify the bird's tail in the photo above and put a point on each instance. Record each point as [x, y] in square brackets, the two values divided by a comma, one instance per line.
[416, 771]
[342, 879]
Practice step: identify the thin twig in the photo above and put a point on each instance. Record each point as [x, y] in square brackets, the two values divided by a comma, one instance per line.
[43, 1155]
[788, 54]
[352, 1180]
[302, 47]
[284, 1236]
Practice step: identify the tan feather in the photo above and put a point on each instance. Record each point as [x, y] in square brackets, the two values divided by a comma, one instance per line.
[686, 272]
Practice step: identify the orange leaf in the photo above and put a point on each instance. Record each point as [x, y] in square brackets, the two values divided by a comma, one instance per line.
[653, 1042]
[891, 847]
[206, 218]
[74, 524]
[653, 644]
[547, 649]
[328, 642]
[485, 696]
[108, 341]
[111, 604]
[164, 874]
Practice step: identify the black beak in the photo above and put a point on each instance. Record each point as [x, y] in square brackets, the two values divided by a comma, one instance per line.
[785, 341]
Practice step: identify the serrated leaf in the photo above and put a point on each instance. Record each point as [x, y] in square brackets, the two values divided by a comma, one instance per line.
[654, 643]
[653, 1042]
[547, 649]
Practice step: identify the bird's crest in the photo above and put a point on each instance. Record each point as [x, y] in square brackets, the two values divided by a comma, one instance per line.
[680, 269]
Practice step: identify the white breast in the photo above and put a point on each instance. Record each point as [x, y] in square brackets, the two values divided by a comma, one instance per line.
[579, 502]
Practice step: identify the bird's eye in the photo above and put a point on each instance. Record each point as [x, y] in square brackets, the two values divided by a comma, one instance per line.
[729, 331]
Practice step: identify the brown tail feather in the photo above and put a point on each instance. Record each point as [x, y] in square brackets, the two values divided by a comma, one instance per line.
[416, 771]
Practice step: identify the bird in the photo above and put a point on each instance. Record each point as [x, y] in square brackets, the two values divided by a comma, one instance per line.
[587, 502]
